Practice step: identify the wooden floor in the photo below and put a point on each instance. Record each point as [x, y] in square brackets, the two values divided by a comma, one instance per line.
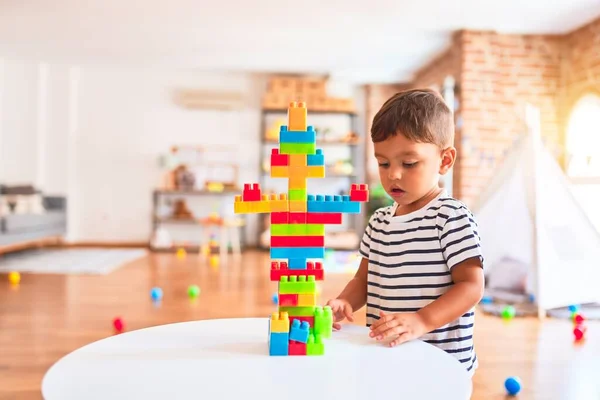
[48, 316]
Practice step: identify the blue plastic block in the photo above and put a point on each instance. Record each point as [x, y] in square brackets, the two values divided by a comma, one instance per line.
[308, 136]
[297, 252]
[279, 343]
[332, 204]
[316, 159]
[299, 331]
[297, 263]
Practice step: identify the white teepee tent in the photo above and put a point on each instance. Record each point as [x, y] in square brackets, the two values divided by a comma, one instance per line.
[528, 217]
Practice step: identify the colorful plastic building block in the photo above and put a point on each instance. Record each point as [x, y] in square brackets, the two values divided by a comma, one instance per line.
[291, 136]
[299, 331]
[315, 345]
[323, 321]
[294, 284]
[359, 193]
[280, 322]
[279, 343]
[297, 348]
[279, 269]
[298, 221]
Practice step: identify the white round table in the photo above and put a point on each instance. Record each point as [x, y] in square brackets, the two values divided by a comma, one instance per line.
[228, 359]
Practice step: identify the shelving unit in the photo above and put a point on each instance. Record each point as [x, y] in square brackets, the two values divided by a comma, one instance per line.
[344, 159]
[193, 223]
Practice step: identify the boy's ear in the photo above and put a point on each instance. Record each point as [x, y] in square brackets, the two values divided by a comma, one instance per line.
[448, 159]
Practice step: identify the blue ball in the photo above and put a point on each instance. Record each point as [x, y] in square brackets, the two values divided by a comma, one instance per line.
[573, 308]
[275, 298]
[156, 293]
[487, 300]
[512, 385]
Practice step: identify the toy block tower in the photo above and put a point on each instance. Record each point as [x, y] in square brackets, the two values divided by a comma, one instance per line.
[298, 222]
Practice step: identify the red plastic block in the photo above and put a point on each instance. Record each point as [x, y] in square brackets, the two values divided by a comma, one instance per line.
[359, 192]
[297, 348]
[280, 217]
[297, 241]
[279, 269]
[324, 218]
[279, 160]
[251, 192]
[288, 300]
[299, 218]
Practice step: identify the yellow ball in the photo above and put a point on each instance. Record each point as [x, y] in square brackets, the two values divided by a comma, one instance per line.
[14, 278]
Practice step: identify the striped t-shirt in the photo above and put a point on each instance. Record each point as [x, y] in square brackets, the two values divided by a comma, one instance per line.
[410, 258]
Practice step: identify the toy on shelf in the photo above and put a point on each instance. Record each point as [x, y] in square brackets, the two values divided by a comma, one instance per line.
[298, 222]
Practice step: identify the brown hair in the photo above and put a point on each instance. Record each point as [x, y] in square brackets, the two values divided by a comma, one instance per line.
[420, 115]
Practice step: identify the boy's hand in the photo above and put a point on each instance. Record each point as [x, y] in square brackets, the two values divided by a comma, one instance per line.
[341, 309]
[408, 326]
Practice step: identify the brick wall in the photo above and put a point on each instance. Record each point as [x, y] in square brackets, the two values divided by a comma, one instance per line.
[580, 71]
[496, 76]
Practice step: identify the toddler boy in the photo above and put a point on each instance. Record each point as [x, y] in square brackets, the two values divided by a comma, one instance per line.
[422, 269]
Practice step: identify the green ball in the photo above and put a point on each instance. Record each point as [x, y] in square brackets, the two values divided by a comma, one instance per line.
[193, 291]
[508, 312]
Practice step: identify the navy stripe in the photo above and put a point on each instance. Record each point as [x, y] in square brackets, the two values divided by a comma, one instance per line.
[473, 363]
[450, 340]
[400, 298]
[393, 309]
[365, 255]
[400, 242]
[411, 230]
[454, 231]
[409, 263]
[457, 241]
[464, 360]
[452, 328]
[421, 286]
[410, 275]
[462, 251]
[459, 350]
[469, 314]
[416, 219]
[402, 253]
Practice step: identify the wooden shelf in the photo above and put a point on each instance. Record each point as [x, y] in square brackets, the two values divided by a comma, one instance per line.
[312, 111]
[196, 192]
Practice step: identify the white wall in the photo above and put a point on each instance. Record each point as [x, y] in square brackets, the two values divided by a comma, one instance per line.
[95, 134]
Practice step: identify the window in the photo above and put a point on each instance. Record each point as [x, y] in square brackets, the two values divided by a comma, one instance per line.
[583, 154]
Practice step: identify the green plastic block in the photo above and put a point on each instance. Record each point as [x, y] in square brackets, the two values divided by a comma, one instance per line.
[297, 194]
[297, 284]
[297, 148]
[307, 311]
[323, 321]
[297, 230]
[315, 345]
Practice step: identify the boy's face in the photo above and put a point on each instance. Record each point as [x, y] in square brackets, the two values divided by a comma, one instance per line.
[410, 170]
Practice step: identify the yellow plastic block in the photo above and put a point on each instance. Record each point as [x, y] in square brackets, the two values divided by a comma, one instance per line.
[279, 204]
[280, 322]
[298, 205]
[307, 299]
[239, 207]
[278, 171]
[262, 206]
[316, 171]
[297, 182]
[298, 160]
[297, 116]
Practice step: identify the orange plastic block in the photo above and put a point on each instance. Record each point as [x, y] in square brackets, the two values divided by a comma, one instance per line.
[279, 172]
[315, 171]
[297, 116]
[297, 182]
[297, 205]
[280, 322]
[298, 160]
[279, 204]
[306, 299]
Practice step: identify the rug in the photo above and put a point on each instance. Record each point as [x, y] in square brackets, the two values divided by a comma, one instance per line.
[92, 261]
[495, 300]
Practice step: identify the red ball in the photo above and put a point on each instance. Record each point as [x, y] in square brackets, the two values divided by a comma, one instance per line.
[579, 319]
[118, 324]
[579, 332]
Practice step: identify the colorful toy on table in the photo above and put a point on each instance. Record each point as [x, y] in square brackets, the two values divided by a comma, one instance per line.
[298, 222]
